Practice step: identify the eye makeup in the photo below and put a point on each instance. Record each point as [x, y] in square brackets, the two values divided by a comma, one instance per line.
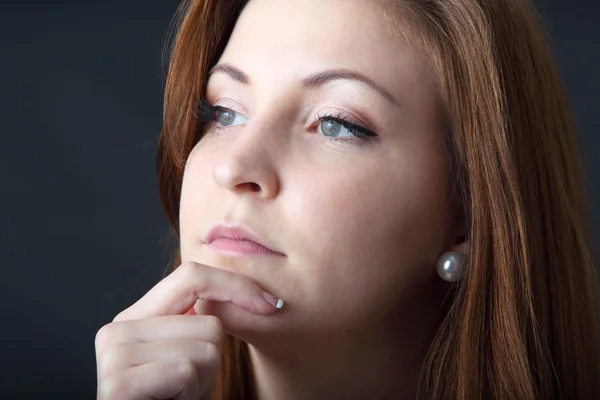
[329, 125]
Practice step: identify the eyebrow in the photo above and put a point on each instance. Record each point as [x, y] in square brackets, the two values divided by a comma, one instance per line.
[313, 81]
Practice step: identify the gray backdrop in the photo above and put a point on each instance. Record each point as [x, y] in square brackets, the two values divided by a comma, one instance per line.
[81, 227]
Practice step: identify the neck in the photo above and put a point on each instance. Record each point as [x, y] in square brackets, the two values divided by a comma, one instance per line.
[375, 363]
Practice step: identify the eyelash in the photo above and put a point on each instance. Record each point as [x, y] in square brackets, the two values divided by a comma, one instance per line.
[208, 113]
[358, 131]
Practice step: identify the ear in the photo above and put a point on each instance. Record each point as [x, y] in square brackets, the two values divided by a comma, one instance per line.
[460, 242]
[449, 267]
[462, 246]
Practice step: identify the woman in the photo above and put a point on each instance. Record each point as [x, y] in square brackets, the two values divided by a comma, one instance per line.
[401, 174]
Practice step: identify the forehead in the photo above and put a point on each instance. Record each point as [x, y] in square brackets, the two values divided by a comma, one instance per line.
[278, 38]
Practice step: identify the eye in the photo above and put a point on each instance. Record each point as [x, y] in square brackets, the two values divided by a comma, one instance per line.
[332, 128]
[339, 127]
[228, 117]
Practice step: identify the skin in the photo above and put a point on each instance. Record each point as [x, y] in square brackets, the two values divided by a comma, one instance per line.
[360, 223]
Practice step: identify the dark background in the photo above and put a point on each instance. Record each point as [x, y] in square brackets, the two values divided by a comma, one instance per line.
[82, 231]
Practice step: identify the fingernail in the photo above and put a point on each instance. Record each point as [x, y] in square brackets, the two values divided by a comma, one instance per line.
[273, 300]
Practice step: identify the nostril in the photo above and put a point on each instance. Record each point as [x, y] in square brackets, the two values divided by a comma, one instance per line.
[255, 187]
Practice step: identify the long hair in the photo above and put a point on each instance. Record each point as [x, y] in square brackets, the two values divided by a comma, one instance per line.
[523, 323]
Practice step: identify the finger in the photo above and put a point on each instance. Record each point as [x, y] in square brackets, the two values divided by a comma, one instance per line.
[205, 328]
[179, 291]
[204, 355]
[161, 380]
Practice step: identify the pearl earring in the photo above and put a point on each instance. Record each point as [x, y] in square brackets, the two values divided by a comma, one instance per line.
[451, 266]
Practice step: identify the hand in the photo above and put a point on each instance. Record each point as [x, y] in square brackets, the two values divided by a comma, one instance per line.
[152, 351]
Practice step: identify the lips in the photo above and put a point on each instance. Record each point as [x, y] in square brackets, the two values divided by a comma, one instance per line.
[240, 240]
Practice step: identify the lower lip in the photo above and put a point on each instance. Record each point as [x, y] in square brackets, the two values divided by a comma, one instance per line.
[241, 247]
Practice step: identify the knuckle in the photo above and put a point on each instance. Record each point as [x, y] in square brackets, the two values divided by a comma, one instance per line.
[111, 388]
[212, 354]
[104, 336]
[189, 267]
[214, 326]
[187, 369]
[112, 333]
[112, 360]
[192, 271]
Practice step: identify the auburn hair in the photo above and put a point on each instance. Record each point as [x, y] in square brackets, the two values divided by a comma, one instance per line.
[523, 323]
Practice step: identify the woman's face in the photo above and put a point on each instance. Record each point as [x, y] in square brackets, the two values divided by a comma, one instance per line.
[359, 220]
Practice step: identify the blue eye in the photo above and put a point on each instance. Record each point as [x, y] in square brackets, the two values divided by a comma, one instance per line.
[334, 129]
[338, 127]
[227, 117]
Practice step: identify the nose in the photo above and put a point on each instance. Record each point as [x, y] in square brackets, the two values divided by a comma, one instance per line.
[247, 167]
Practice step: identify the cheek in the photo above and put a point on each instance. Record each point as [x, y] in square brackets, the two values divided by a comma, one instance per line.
[195, 201]
[357, 237]
[371, 230]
